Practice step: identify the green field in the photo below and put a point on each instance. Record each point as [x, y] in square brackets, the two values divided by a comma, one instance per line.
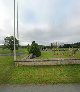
[59, 54]
[7, 51]
[10, 74]
[46, 54]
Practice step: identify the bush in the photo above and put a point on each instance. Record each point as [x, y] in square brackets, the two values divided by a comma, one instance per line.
[34, 49]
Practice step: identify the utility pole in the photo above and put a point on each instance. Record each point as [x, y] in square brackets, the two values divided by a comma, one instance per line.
[17, 23]
[14, 34]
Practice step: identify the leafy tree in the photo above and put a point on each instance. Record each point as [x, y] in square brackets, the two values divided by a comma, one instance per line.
[9, 43]
[34, 49]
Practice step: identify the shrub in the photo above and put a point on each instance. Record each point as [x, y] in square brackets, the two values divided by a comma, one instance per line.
[34, 49]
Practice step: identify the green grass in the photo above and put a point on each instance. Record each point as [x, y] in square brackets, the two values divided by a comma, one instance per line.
[20, 50]
[58, 54]
[46, 75]
[4, 51]
[46, 54]
[10, 74]
[6, 67]
[7, 51]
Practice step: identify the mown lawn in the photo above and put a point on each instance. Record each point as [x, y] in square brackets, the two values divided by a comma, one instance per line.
[7, 51]
[58, 54]
[46, 54]
[10, 74]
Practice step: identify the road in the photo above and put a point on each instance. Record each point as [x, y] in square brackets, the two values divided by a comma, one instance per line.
[41, 88]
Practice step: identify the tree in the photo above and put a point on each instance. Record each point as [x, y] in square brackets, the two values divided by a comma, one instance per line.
[9, 43]
[51, 45]
[34, 49]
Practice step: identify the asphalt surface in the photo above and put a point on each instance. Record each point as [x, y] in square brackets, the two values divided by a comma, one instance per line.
[41, 88]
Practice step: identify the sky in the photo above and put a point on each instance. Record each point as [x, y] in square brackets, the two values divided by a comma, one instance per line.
[43, 21]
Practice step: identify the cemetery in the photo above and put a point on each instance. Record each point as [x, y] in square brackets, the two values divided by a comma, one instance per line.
[37, 63]
[54, 56]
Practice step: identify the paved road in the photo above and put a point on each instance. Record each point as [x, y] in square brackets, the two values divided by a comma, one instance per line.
[42, 88]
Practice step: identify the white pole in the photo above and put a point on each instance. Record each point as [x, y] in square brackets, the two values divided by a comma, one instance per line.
[17, 23]
[14, 34]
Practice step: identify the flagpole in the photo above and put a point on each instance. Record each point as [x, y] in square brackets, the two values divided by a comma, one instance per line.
[14, 34]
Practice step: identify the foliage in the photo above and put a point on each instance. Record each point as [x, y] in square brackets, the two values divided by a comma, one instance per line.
[67, 46]
[74, 45]
[34, 49]
[9, 43]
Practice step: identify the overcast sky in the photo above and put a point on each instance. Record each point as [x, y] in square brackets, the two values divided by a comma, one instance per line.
[44, 21]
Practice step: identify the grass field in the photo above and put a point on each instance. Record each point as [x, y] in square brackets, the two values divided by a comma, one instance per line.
[58, 54]
[10, 74]
[7, 51]
[47, 54]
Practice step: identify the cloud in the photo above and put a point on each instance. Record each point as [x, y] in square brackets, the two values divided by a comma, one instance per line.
[6, 19]
[44, 21]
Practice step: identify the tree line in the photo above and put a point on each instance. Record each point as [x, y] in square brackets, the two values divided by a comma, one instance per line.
[74, 45]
